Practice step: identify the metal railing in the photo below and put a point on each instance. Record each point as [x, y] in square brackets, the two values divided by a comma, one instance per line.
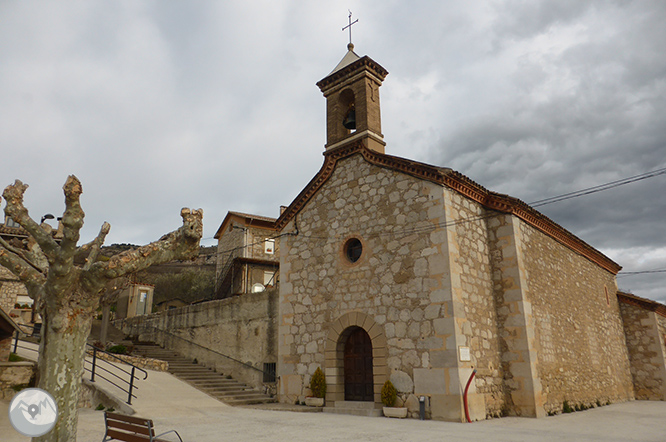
[97, 366]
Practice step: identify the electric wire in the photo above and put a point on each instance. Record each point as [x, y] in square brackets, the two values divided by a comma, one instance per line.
[537, 203]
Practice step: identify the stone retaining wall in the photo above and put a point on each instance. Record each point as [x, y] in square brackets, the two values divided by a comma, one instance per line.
[240, 327]
[14, 374]
[141, 362]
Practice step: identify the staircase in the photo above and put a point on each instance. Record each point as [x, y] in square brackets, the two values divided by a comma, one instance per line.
[222, 388]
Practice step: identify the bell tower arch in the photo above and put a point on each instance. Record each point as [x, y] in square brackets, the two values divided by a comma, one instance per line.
[352, 102]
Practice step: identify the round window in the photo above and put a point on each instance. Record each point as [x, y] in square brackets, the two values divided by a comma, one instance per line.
[353, 249]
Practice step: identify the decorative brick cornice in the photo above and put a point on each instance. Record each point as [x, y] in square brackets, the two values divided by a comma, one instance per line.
[647, 304]
[455, 181]
[362, 63]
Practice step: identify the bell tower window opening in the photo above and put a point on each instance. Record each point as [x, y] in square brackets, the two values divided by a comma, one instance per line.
[348, 110]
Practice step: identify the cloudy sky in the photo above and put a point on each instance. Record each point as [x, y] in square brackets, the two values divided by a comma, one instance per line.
[157, 105]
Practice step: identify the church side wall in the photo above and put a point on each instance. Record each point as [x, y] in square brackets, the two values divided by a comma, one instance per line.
[646, 334]
[242, 327]
[582, 354]
[480, 314]
[391, 283]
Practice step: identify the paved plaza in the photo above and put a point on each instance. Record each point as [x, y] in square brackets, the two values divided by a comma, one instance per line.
[173, 404]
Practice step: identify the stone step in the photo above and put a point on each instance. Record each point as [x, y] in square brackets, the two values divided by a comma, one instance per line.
[375, 412]
[235, 402]
[212, 381]
[227, 390]
[211, 377]
[362, 405]
[355, 408]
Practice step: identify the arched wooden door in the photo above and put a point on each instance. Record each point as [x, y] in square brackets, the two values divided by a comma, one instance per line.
[358, 366]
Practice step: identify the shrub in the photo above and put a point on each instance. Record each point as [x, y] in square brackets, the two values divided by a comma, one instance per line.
[318, 383]
[389, 394]
[13, 357]
[566, 408]
[118, 349]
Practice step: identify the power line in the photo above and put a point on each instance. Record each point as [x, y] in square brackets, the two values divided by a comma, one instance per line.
[538, 203]
[640, 273]
[599, 188]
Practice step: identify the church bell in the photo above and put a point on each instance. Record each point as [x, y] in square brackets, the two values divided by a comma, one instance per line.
[350, 120]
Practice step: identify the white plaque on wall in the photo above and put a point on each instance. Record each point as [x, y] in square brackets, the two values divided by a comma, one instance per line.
[465, 355]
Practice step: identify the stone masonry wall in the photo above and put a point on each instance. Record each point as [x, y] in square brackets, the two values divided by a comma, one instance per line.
[241, 327]
[10, 288]
[480, 312]
[390, 282]
[645, 333]
[582, 354]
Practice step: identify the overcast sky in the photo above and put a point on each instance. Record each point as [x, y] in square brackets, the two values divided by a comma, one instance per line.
[158, 105]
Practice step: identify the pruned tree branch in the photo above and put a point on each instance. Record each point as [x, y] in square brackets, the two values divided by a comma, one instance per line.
[31, 277]
[179, 244]
[96, 245]
[21, 254]
[15, 209]
[112, 289]
[72, 219]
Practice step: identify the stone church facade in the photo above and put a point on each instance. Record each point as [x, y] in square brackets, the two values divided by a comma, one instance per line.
[393, 269]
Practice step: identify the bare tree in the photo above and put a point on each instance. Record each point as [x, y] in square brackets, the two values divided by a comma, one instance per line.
[67, 294]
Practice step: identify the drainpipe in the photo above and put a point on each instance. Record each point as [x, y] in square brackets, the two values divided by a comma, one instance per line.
[465, 395]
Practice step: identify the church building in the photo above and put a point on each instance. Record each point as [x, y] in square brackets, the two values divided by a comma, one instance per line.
[395, 269]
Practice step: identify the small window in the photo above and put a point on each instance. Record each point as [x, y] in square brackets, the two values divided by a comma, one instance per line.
[11, 223]
[269, 246]
[269, 278]
[353, 249]
[269, 372]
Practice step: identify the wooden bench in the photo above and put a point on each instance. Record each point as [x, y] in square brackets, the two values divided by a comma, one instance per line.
[131, 429]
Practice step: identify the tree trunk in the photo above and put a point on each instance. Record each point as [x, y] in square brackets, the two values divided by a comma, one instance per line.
[63, 336]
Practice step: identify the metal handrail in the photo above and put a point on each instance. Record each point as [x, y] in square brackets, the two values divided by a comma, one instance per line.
[95, 364]
[214, 351]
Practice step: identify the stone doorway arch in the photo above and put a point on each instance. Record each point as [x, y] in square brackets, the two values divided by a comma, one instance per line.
[338, 335]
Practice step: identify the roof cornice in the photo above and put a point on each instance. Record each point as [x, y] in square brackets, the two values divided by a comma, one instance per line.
[647, 304]
[455, 181]
[246, 219]
[364, 62]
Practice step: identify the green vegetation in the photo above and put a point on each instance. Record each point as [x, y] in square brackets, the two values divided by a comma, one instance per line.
[189, 285]
[13, 357]
[318, 383]
[118, 349]
[566, 408]
[389, 394]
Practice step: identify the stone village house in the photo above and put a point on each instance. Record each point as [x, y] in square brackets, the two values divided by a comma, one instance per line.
[247, 255]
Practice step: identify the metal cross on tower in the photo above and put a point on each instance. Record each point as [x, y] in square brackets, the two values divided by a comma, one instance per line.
[350, 46]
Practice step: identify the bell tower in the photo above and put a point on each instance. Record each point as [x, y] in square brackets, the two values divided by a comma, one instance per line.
[352, 102]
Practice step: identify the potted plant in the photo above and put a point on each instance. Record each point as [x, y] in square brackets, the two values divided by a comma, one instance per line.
[318, 387]
[389, 396]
